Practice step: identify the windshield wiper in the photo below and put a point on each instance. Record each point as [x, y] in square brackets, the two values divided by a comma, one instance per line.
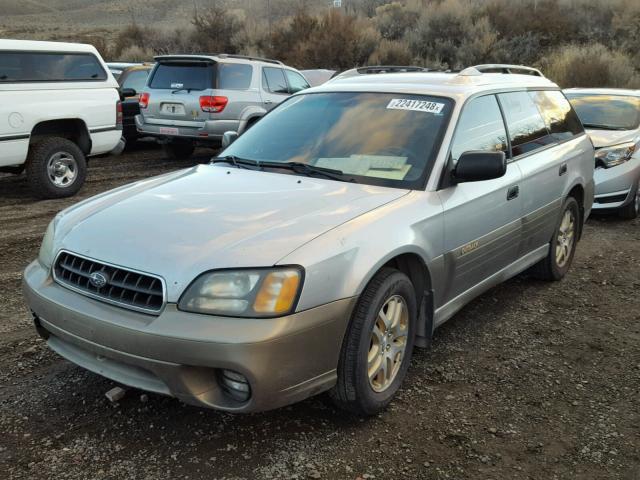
[237, 162]
[188, 90]
[309, 170]
[601, 126]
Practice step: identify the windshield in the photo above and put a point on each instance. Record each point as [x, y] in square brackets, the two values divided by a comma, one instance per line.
[614, 112]
[374, 138]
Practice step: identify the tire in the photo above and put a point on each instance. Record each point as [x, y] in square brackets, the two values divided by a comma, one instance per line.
[632, 209]
[354, 390]
[178, 150]
[56, 168]
[553, 268]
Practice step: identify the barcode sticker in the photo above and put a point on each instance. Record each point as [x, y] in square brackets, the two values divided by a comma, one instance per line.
[415, 105]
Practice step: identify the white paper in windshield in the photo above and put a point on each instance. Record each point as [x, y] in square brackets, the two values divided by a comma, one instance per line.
[415, 105]
[380, 166]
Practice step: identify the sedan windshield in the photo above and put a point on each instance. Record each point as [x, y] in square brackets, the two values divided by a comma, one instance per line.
[379, 139]
[607, 112]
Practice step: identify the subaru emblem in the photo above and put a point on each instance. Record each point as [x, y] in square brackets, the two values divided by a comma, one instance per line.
[98, 279]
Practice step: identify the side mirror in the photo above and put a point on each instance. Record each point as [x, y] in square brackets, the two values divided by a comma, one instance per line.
[475, 166]
[228, 138]
[128, 92]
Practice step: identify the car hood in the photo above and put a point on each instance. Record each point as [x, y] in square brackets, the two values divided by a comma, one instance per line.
[208, 217]
[608, 138]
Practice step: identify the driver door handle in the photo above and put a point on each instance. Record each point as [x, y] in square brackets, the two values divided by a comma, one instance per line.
[513, 192]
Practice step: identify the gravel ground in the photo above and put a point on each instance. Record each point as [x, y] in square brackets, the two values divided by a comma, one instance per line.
[530, 381]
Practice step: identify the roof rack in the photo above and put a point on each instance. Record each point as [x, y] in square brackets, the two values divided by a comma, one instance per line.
[389, 69]
[503, 68]
[247, 57]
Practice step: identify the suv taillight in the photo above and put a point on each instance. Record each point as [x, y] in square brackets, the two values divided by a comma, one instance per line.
[144, 100]
[210, 103]
[118, 115]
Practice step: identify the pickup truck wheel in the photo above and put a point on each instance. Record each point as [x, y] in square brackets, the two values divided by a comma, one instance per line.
[562, 246]
[377, 348]
[178, 150]
[56, 168]
[632, 209]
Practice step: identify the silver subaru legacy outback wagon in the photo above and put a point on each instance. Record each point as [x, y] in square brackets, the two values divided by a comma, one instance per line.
[322, 245]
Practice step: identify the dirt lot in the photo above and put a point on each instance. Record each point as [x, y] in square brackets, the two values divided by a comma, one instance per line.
[530, 381]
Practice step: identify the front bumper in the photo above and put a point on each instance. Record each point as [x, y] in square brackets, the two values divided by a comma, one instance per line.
[181, 354]
[209, 131]
[615, 187]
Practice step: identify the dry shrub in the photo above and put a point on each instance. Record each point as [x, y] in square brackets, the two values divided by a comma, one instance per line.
[590, 66]
[391, 53]
[135, 53]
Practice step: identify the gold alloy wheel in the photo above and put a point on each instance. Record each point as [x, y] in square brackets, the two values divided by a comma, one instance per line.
[388, 343]
[565, 239]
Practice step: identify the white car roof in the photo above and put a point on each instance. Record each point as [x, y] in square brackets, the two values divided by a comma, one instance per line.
[604, 91]
[37, 46]
[463, 84]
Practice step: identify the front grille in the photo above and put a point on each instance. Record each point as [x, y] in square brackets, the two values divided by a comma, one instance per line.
[126, 288]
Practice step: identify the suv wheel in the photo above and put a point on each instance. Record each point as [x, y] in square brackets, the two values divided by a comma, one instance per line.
[377, 348]
[56, 168]
[562, 246]
[178, 150]
[632, 209]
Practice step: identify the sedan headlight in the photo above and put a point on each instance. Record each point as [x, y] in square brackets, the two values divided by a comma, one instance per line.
[612, 156]
[244, 293]
[47, 254]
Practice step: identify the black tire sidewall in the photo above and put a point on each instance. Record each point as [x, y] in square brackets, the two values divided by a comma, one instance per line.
[395, 284]
[557, 271]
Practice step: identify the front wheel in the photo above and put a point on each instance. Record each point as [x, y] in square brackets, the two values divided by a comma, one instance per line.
[562, 246]
[377, 348]
[632, 209]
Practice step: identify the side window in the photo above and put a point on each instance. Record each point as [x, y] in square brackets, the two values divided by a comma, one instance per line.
[296, 81]
[234, 76]
[136, 79]
[273, 80]
[49, 67]
[561, 120]
[527, 129]
[480, 128]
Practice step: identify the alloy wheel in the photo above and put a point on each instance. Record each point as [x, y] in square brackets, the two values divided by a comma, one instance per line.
[565, 238]
[62, 169]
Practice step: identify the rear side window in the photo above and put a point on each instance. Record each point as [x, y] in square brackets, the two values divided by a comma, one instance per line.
[50, 67]
[561, 120]
[480, 128]
[527, 128]
[273, 80]
[136, 79]
[296, 81]
[234, 76]
[183, 76]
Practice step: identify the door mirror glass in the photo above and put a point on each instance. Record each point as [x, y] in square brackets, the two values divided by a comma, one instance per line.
[474, 166]
[228, 138]
[127, 92]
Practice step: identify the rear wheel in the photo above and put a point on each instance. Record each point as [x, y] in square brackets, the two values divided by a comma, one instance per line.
[177, 150]
[56, 167]
[562, 246]
[377, 348]
[632, 209]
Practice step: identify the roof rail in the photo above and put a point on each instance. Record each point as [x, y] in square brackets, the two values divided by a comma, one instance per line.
[389, 69]
[247, 57]
[506, 68]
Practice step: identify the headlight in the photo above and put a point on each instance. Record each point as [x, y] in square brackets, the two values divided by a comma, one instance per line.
[47, 254]
[244, 293]
[612, 156]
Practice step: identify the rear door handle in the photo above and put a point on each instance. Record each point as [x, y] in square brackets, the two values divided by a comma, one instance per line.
[563, 169]
[268, 102]
[513, 192]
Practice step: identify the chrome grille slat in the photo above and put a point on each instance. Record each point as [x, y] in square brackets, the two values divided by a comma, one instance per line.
[126, 288]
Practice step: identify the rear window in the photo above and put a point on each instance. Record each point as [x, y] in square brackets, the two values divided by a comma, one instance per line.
[234, 76]
[183, 76]
[527, 128]
[50, 67]
[273, 80]
[561, 120]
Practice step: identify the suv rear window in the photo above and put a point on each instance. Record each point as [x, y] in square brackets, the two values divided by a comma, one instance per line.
[234, 76]
[183, 76]
[50, 67]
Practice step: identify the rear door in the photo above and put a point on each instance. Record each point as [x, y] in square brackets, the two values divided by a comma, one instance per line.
[539, 124]
[482, 219]
[175, 88]
[274, 87]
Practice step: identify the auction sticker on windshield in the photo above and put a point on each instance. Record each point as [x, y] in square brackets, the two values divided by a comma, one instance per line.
[415, 105]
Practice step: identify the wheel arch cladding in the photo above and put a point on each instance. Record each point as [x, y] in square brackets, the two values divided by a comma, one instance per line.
[73, 129]
[577, 192]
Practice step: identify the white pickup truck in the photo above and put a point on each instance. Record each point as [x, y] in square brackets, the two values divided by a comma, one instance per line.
[59, 104]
